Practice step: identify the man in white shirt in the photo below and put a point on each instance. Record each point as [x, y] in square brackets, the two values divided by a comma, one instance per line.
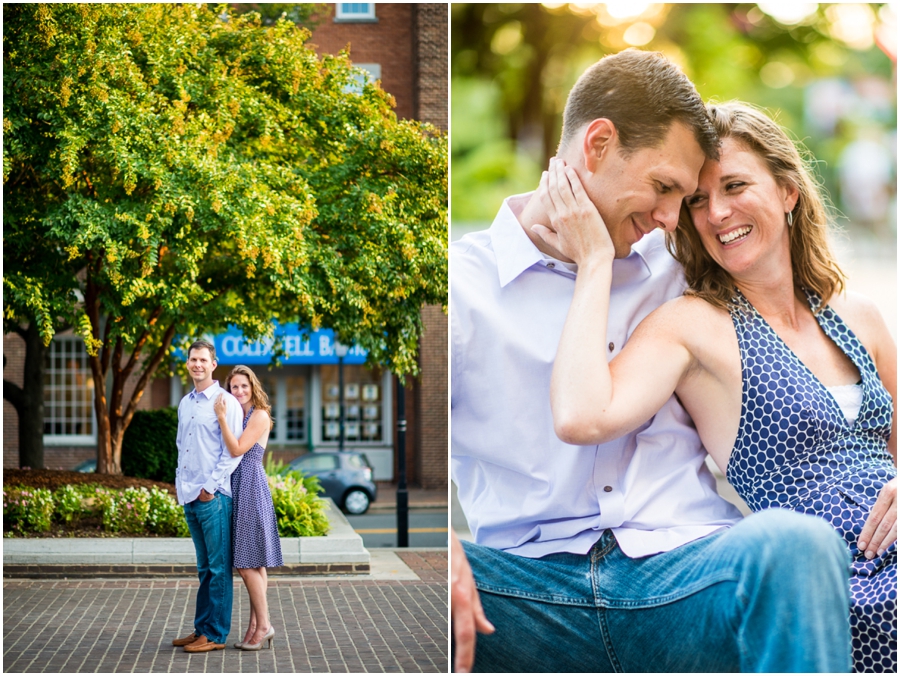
[619, 557]
[203, 484]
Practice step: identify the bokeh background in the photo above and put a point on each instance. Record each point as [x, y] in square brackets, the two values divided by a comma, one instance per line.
[826, 71]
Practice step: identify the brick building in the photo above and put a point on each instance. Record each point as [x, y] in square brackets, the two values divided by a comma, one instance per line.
[404, 46]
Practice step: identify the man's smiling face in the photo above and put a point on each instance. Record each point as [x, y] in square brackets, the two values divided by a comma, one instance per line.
[200, 365]
[643, 190]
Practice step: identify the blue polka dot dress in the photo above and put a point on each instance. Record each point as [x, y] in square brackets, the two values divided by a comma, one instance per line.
[796, 450]
[256, 543]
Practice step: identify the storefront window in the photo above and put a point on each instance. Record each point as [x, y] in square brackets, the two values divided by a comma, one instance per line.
[295, 408]
[68, 392]
[363, 404]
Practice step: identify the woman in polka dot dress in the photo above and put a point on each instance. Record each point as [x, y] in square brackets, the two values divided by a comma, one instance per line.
[793, 397]
[256, 543]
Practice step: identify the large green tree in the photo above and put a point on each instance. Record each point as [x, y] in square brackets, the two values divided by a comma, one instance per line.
[182, 170]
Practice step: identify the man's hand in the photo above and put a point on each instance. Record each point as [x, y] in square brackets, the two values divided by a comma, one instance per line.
[205, 496]
[466, 612]
[880, 530]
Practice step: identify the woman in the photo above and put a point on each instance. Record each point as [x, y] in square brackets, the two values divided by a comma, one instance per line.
[777, 368]
[256, 543]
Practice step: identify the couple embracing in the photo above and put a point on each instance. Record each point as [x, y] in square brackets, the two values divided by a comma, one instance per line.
[668, 292]
[221, 484]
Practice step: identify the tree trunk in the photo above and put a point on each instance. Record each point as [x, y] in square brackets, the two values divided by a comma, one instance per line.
[115, 413]
[28, 400]
[106, 463]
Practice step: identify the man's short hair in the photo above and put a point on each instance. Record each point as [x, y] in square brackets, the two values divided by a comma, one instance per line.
[642, 94]
[198, 344]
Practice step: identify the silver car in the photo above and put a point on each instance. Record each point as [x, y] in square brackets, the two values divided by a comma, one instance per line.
[346, 478]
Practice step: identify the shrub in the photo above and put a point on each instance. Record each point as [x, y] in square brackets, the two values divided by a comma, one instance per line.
[298, 508]
[68, 500]
[166, 517]
[28, 509]
[134, 507]
[148, 448]
[129, 510]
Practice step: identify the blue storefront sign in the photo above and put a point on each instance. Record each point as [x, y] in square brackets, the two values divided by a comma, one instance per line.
[301, 346]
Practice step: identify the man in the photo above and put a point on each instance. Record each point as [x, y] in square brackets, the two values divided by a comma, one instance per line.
[619, 557]
[203, 483]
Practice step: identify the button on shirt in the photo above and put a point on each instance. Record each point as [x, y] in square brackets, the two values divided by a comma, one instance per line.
[521, 488]
[203, 459]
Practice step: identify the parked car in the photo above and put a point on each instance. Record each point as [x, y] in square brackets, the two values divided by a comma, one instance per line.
[346, 478]
[86, 467]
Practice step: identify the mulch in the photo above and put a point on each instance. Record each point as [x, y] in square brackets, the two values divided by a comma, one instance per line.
[53, 479]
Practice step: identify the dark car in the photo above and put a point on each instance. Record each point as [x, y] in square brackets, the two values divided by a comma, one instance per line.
[346, 478]
[86, 467]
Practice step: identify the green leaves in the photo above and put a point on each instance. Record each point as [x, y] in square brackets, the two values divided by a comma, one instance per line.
[161, 163]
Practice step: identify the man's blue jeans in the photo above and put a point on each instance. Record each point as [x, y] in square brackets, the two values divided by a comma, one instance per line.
[770, 594]
[210, 525]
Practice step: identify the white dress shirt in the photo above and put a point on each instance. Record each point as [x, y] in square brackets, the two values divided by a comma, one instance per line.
[521, 488]
[203, 459]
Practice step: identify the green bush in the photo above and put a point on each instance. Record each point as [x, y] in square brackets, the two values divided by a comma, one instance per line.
[166, 516]
[68, 500]
[28, 509]
[129, 510]
[298, 508]
[148, 448]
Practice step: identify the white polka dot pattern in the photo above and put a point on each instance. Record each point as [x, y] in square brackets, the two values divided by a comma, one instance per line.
[795, 450]
[256, 543]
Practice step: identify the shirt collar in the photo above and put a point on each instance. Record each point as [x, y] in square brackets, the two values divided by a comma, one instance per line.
[208, 392]
[515, 252]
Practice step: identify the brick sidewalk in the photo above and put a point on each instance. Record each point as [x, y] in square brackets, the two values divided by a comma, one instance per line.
[322, 625]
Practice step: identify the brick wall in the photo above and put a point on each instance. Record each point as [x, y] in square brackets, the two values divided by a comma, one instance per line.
[432, 401]
[387, 41]
[431, 63]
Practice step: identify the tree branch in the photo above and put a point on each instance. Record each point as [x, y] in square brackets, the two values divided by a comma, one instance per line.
[148, 372]
[139, 345]
[14, 394]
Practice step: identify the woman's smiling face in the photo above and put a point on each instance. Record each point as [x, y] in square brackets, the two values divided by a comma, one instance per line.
[240, 388]
[739, 210]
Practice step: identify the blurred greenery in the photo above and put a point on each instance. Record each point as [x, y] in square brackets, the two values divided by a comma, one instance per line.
[828, 76]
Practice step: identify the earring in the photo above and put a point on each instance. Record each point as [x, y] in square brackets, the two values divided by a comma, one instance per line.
[790, 218]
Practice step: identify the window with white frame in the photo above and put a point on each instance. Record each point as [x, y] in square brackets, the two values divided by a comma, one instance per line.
[68, 393]
[355, 11]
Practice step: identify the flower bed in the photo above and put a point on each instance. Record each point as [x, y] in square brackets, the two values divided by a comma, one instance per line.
[45, 503]
[85, 509]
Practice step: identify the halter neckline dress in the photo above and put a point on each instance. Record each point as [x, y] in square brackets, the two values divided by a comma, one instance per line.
[256, 543]
[796, 450]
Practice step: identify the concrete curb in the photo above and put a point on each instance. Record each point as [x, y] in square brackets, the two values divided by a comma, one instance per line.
[339, 552]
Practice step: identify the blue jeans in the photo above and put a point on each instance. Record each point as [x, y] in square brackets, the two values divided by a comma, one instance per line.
[770, 594]
[210, 526]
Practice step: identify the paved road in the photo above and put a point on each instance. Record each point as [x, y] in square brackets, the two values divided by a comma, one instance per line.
[323, 625]
[427, 528]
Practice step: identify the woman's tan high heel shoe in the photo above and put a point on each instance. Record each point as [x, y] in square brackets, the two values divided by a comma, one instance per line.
[240, 644]
[258, 646]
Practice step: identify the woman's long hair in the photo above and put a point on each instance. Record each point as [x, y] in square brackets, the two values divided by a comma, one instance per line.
[814, 265]
[258, 397]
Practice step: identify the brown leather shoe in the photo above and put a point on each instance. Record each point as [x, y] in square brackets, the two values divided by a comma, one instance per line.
[186, 640]
[203, 645]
